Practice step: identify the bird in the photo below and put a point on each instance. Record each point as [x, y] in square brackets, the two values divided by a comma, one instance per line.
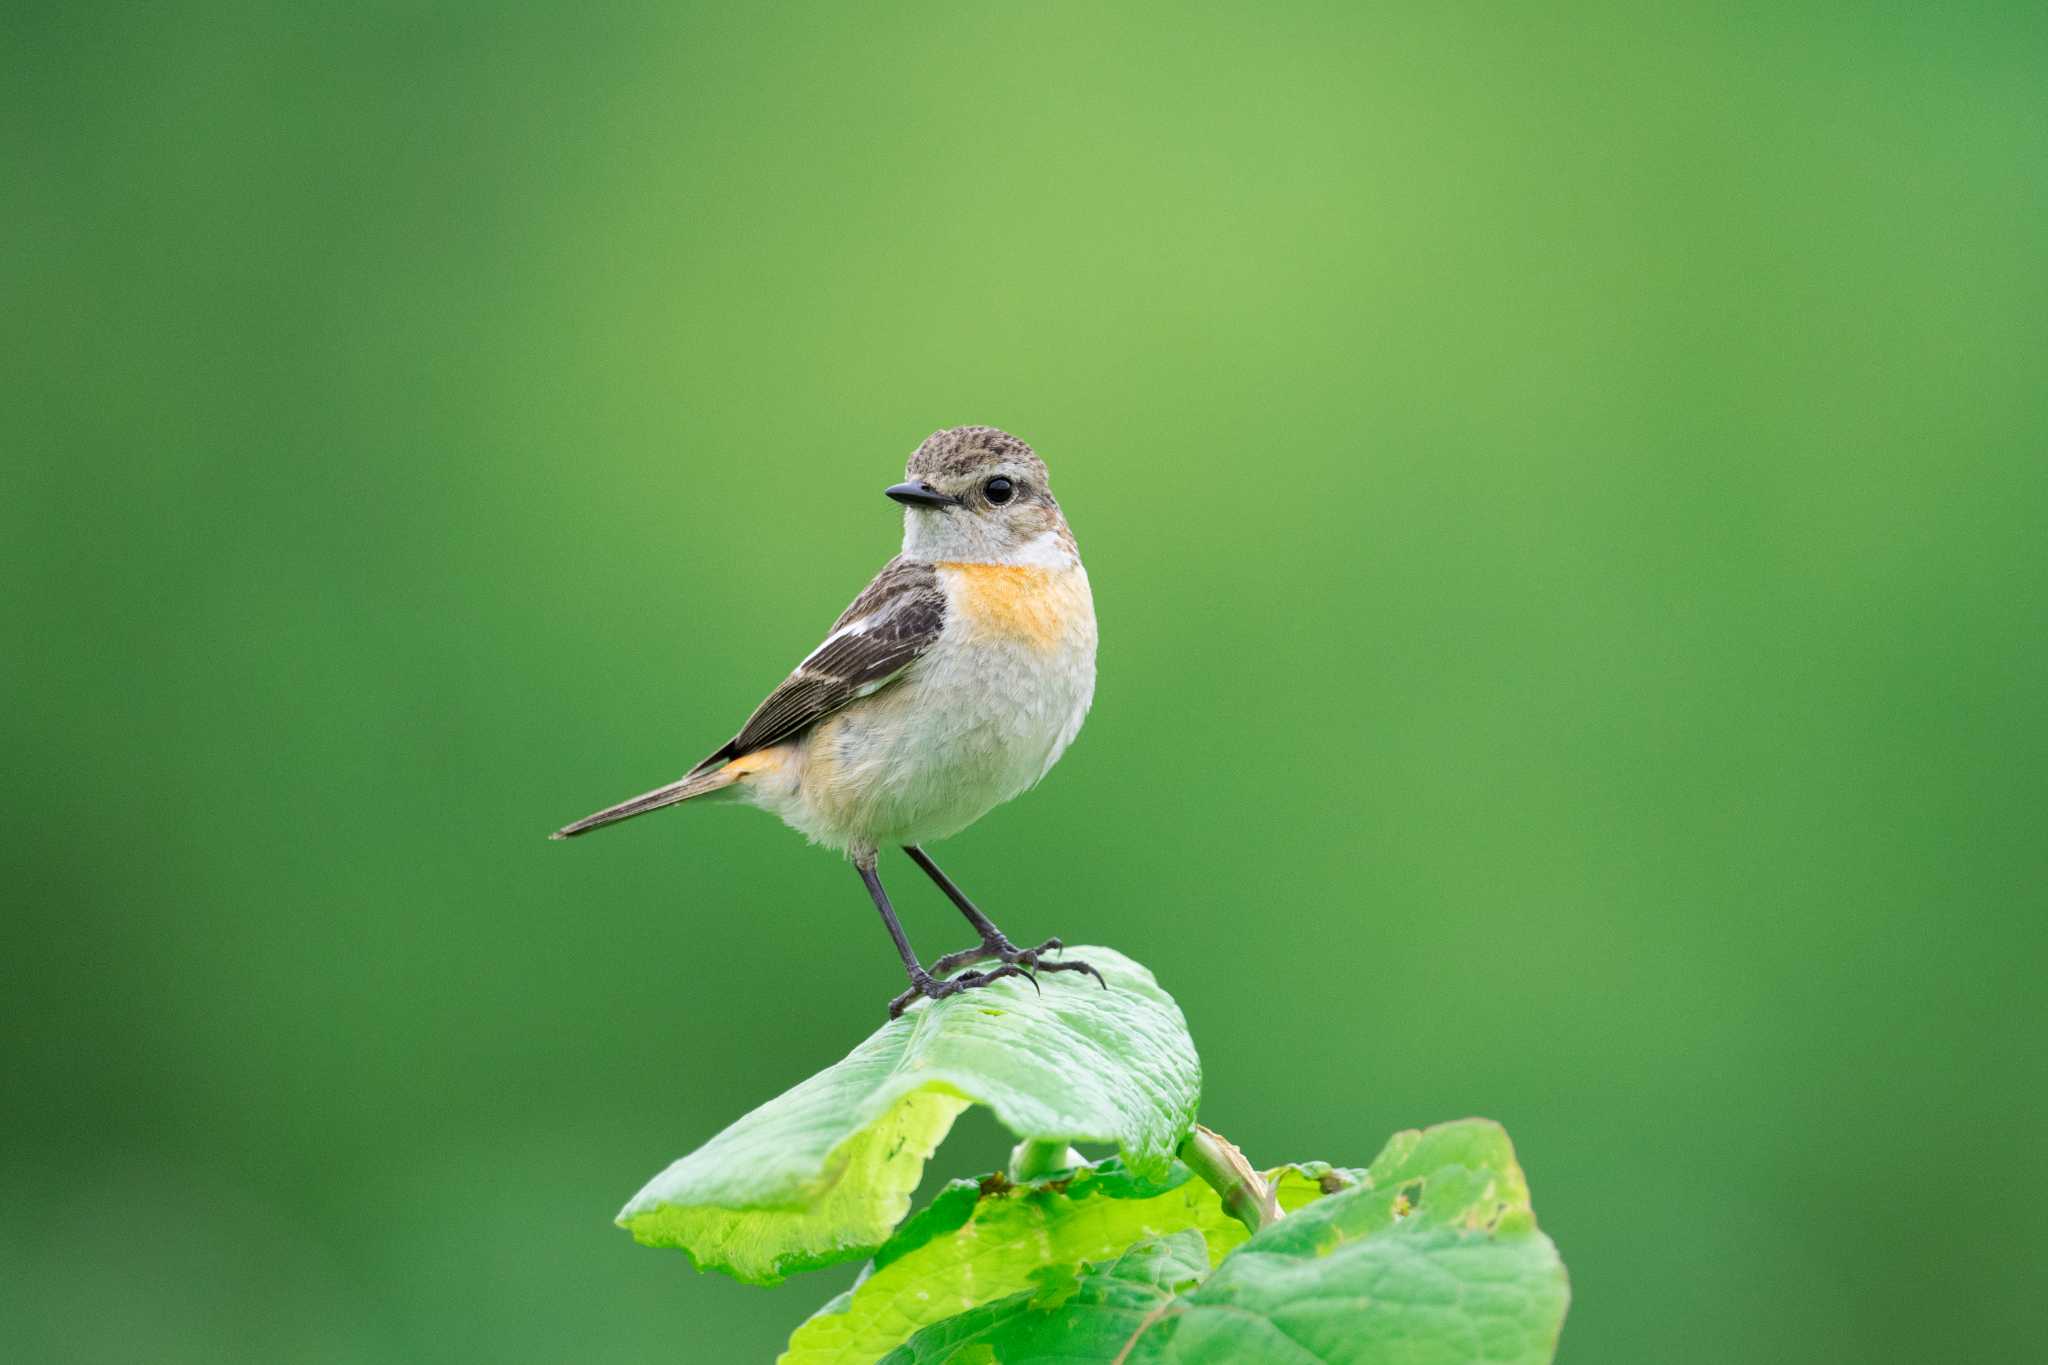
[954, 682]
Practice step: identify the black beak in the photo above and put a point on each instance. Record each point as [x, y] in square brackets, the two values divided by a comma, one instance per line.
[920, 495]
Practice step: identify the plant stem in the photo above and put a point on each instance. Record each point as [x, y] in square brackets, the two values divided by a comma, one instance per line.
[1030, 1160]
[1245, 1194]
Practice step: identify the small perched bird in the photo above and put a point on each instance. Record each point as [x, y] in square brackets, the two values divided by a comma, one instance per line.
[954, 682]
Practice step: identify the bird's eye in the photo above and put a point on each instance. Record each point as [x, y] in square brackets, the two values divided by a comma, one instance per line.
[999, 491]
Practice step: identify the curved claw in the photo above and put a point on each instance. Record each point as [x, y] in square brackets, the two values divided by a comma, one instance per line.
[1030, 959]
[969, 980]
[932, 988]
[1074, 966]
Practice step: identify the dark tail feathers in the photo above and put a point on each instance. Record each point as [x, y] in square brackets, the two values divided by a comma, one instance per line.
[700, 782]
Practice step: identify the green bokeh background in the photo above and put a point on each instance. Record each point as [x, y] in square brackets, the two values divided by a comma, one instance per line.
[1564, 488]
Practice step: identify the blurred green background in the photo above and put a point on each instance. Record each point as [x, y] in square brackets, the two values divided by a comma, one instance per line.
[1564, 488]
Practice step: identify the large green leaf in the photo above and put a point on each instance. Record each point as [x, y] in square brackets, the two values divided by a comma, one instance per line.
[823, 1172]
[1075, 1318]
[979, 1241]
[1436, 1260]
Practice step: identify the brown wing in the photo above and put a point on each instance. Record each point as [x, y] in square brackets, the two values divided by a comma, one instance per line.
[897, 618]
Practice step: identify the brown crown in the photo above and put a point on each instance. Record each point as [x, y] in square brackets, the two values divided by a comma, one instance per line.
[958, 451]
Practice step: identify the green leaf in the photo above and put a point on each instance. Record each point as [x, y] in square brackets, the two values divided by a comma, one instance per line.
[1435, 1259]
[1073, 1318]
[976, 1242]
[823, 1172]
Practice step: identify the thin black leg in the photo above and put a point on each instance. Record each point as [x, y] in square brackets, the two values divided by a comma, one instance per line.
[922, 983]
[889, 920]
[994, 943]
[983, 925]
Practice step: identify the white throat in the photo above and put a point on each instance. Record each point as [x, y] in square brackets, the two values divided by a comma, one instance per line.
[1046, 550]
[956, 539]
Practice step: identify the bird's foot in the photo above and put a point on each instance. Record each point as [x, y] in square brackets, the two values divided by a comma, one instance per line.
[933, 988]
[1032, 960]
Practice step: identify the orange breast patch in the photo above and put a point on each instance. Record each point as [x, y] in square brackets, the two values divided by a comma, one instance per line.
[1015, 601]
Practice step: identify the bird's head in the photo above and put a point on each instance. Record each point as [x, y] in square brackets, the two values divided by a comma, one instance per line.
[979, 495]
